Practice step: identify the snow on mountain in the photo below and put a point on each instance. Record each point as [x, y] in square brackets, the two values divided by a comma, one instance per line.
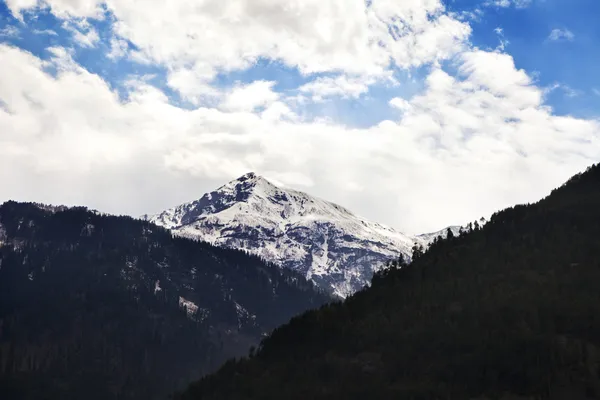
[328, 244]
[428, 238]
[425, 239]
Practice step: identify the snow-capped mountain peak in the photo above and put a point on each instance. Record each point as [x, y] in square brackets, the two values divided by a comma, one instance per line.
[327, 243]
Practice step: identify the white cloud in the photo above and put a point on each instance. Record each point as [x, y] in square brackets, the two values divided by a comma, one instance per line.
[474, 15]
[45, 32]
[496, 73]
[118, 48]
[88, 39]
[16, 6]
[337, 36]
[250, 96]
[84, 34]
[499, 3]
[568, 91]
[277, 111]
[462, 148]
[193, 84]
[508, 3]
[289, 179]
[465, 146]
[324, 87]
[400, 104]
[9, 31]
[561, 34]
[503, 41]
[61, 8]
[596, 91]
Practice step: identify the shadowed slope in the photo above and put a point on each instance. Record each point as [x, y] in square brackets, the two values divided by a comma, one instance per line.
[508, 311]
[105, 307]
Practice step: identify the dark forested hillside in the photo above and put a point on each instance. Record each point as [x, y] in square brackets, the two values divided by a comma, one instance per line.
[508, 311]
[104, 307]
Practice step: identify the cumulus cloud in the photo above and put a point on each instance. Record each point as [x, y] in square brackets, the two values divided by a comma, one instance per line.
[192, 83]
[464, 147]
[251, 96]
[468, 144]
[61, 8]
[561, 34]
[118, 48]
[84, 34]
[343, 86]
[349, 36]
[400, 104]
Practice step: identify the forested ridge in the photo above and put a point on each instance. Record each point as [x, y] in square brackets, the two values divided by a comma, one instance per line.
[507, 311]
[103, 307]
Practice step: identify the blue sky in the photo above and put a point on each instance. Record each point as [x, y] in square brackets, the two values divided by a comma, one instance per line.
[572, 63]
[418, 114]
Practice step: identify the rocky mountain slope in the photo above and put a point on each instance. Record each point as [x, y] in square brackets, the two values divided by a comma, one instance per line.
[426, 239]
[323, 241]
[507, 311]
[103, 307]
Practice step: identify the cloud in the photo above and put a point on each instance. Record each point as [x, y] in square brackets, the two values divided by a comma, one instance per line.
[336, 36]
[192, 83]
[508, 3]
[84, 34]
[561, 34]
[118, 48]
[503, 41]
[343, 86]
[9, 31]
[474, 15]
[289, 179]
[471, 142]
[251, 96]
[61, 8]
[400, 104]
[44, 32]
[463, 147]
[568, 91]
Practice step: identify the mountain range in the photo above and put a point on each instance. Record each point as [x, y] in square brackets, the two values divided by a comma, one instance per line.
[326, 243]
[510, 310]
[100, 307]
[95, 306]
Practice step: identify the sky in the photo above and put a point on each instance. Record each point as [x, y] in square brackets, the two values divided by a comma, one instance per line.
[417, 114]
